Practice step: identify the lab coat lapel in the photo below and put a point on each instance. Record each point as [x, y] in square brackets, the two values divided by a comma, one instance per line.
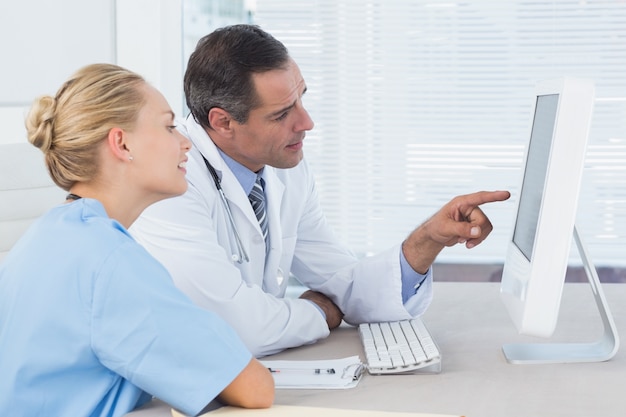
[260, 264]
[273, 279]
[232, 189]
[237, 198]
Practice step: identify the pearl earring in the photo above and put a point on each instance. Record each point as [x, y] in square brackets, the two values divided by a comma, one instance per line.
[130, 157]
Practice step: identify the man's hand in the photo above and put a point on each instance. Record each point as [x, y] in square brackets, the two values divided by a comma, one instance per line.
[459, 221]
[333, 314]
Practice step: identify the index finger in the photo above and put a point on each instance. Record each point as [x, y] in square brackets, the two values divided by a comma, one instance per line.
[482, 197]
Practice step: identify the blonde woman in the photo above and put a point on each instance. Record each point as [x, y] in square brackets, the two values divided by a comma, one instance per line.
[90, 323]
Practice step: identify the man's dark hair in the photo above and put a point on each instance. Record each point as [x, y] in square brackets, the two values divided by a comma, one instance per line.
[219, 72]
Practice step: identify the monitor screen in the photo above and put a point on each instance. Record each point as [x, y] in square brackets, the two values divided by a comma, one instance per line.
[535, 173]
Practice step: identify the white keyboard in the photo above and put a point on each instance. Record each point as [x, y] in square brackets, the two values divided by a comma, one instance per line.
[397, 347]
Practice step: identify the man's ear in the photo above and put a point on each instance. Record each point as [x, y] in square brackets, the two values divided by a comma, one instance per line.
[220, 121]
[116, 141]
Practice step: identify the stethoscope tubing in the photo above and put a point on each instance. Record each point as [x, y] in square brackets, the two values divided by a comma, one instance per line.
[242, 255]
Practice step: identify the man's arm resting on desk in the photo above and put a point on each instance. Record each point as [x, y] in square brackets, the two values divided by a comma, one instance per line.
[331, 312]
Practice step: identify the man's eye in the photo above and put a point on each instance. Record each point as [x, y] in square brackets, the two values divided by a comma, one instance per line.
[282, 116]
[171, 128]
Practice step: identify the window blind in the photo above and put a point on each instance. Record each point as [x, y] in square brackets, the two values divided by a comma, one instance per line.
[416, 102]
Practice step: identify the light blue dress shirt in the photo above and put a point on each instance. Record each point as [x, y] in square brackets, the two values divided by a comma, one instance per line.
[92, 325]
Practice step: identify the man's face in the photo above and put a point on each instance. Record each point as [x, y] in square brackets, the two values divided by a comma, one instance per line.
[275, 130]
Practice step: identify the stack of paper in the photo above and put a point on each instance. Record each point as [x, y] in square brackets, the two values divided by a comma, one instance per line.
[317, 374]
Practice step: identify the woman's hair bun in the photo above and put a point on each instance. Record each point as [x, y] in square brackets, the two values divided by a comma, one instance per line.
[40, 123]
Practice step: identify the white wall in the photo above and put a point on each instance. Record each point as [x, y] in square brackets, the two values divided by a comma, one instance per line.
[44, 42]
[150, 42]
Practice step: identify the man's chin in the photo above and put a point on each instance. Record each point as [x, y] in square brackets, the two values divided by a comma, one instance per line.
[290, 163]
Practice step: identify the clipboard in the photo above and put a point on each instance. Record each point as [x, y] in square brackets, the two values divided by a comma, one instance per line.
[316, 374]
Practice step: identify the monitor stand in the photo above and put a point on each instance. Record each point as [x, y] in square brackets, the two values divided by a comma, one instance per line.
[599, 351]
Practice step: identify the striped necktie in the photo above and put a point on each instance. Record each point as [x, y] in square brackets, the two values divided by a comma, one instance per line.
[257, 199]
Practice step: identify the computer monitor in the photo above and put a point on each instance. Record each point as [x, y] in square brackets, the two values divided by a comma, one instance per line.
[538, 252]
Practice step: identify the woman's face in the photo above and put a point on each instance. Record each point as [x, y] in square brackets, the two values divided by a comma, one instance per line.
[158, 150]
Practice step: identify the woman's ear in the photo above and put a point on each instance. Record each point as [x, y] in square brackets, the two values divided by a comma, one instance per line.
[116, 141]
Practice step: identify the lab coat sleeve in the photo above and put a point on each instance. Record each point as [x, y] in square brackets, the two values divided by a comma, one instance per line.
[368, 289]
[180, 233]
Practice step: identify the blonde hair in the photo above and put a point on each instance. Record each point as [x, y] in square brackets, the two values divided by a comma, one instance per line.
[69, 127]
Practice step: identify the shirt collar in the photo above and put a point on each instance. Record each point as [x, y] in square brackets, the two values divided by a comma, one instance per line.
[245, 177]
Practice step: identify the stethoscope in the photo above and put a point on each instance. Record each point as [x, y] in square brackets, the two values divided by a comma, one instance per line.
[241, 256]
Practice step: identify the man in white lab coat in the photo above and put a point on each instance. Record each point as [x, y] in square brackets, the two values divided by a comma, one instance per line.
[247, 121]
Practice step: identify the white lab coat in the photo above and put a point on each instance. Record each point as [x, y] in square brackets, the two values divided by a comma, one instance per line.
[192, 237]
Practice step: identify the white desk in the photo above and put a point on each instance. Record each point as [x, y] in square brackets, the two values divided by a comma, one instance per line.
[470, 324]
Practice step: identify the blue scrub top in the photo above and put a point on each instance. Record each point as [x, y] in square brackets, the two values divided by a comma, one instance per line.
[92, 325]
